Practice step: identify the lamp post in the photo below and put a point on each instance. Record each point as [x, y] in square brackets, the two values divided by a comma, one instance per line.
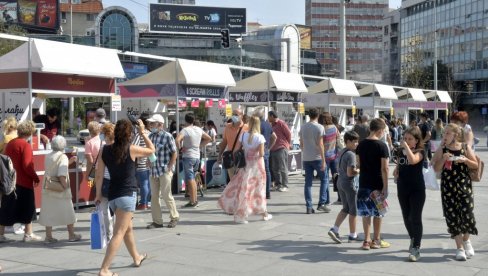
[436, 112]
[342, 16]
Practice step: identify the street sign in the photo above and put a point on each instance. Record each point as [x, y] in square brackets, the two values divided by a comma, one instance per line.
[116, 103]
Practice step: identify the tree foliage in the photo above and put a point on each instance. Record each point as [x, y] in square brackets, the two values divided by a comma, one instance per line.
[7, 45]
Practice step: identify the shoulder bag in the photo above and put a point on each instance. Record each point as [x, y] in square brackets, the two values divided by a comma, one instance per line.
[476, 174]
[91, 174]
[228, 155]
[240, 156]
[335, 177]
[52, 183]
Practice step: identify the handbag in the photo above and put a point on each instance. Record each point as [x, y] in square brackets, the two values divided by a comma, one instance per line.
[476, 174]
[98, 237]
[240, 156]
[91, 174]
[430, 178]
[228, 155]
[52, 183]
[335, 177]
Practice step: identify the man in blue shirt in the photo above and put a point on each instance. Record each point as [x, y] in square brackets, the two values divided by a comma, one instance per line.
[270, 137]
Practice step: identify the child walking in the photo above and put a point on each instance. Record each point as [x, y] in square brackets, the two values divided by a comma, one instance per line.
[411, 188]
[346, 188]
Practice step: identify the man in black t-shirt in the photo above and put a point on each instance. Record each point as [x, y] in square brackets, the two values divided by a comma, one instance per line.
[426, 128]
[372, 160]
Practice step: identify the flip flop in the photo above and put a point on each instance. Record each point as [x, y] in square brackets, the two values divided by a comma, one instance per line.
[144, 256]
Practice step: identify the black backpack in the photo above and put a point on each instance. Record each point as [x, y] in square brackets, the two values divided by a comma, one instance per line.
[8, 176]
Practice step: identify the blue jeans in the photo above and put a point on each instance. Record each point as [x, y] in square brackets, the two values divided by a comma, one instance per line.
[268, 173]
[332, 167]
[190, 166]
[143, 181]
[310, 167]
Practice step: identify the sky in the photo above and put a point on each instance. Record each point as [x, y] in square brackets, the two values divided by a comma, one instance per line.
[266, 12]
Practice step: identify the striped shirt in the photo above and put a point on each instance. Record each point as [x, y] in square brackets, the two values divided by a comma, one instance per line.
[141, 164]
[165, 147]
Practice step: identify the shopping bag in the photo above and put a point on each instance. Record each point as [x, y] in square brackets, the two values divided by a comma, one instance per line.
[97, 230]
[430, 179]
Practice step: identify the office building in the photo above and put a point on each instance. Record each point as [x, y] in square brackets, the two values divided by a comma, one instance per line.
[364, 36]
[391, 48]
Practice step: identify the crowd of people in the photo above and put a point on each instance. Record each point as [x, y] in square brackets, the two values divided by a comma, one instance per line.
[132, 163]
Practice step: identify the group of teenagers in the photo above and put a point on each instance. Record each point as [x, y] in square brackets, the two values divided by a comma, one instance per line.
[364, 168]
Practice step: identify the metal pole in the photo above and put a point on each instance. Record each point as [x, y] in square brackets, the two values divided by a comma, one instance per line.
[71, 21]
[288, 53]
[342, 60]
[240, 46]
[436, 112]
[177, 166]
[29, 75]
[71, 99]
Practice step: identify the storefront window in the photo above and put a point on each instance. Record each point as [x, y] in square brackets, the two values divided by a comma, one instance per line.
[116, 31]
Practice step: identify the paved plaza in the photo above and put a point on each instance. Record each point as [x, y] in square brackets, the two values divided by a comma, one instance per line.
[207, 242]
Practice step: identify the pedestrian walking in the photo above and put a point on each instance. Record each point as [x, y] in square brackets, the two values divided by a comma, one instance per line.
[313, 154]
[189, 140]
[119, 158]
[411, 187]
[142, 168]
[270, 140]
[453, 159]
[330, 147]
[245, 194]
[19, 207]
[426, 130]
[278, 153]
[231, 134]
[362, 128]
[461, 119]
[162, 169]
[92, 149]
[373, 164]
[108, 133]
[57, 207]
[346, 188]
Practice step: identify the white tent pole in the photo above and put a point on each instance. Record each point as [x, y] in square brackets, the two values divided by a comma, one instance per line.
[269, 85]
[29, 75]
[177, 123]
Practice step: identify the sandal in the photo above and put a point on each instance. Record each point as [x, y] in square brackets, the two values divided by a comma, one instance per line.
[172, 223]
[144, 256]
[50, 240]
[77, 237]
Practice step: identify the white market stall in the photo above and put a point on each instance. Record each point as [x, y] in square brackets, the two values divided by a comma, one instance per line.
[280, 91]
[410, 99]
[380, 99]
[45, 68]
[178, 81]
[333, 95]
[441, 100]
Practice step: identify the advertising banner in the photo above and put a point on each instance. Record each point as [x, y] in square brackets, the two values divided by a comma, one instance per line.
[133, 70]
[305, 36]
[165, 18]
[30, 14]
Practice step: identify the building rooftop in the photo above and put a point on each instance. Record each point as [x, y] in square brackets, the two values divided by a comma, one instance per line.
[87, 6]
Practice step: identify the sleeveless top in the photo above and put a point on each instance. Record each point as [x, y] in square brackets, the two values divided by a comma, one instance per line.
[122, 176]
[410, 176]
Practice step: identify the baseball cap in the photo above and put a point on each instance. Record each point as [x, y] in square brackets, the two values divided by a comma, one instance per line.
[156, 118]
[101, 113]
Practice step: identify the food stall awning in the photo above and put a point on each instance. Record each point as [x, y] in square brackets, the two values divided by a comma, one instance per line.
[196, 79]
[417, 94]
[385, 91]
[341, 87]
[189, 72]
[63, 58]
[442, 95]
[278, 81]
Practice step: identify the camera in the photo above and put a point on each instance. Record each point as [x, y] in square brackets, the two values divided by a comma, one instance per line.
[133, 120]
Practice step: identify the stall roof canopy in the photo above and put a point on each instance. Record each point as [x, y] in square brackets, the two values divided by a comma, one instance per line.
[341, 87]
[189, 72]
[385, 91]
[417, 94]
[278, 81]
[63, 58]
[443, 96]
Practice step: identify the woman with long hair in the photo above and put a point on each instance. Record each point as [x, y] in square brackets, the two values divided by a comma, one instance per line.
[119, 158]
[331, 136]
[246, 192]
[461, 118]
[454, 158]
[9, 130]
[411, 187]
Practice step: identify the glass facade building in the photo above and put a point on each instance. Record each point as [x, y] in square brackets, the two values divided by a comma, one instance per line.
[364, 35]
[462, 39]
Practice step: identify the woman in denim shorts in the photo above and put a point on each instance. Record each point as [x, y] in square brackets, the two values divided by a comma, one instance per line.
[119, 158]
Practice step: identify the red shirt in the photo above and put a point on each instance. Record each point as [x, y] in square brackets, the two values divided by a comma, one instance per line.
[21, 154]
[283, 135]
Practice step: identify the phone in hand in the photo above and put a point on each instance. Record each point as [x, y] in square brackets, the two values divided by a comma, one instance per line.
[133, 119]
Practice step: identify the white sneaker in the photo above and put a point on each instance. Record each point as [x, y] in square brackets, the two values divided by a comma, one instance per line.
[460, 255]
[32, 237]
[468, 248]
[19, 230]
[268, 217]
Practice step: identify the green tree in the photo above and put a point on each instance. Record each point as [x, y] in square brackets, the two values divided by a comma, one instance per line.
[7, 45]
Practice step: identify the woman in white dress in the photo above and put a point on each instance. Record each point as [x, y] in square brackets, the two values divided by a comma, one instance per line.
[57, 207]
[245, 194]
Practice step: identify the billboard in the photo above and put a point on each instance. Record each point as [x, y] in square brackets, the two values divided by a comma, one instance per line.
[41, 15]
[305, 36]
[184, 19]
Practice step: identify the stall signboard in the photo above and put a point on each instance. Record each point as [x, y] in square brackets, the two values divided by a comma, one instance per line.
[38, 15]
[116, 103]
[420, 105]
[248, 97]
[219, 117]
[186, 19]
[168, 90]
[16, 104]
[314, 100]
[134, 70]
[290, 97]
[135, 107]
[337, 100]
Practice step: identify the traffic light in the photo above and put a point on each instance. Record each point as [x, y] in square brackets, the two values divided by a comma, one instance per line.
[225, 38]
